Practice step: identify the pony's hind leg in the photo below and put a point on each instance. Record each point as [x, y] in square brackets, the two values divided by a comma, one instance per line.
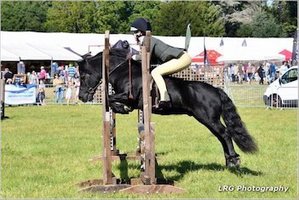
[232, 159]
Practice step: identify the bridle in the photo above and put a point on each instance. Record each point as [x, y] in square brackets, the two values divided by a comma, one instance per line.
[128, 58]
[92, 90]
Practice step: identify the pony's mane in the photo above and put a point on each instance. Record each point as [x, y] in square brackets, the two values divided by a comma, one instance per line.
[118, 52]
[88, 57]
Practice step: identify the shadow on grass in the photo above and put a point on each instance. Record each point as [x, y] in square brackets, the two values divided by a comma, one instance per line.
[184, 167]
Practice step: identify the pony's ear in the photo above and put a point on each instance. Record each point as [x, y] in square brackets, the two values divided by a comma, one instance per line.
[125, 44]
[86, 55]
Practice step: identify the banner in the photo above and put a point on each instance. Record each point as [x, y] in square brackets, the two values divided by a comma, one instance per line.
[20, 94]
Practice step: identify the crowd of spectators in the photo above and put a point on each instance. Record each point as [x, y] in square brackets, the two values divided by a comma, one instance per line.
[65, 82]
[267, 71]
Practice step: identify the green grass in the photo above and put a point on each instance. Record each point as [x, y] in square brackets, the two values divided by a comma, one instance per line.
[248, 95]
[45, 152]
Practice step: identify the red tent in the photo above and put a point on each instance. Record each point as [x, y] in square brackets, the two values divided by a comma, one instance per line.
[287, 54]
[211, 54]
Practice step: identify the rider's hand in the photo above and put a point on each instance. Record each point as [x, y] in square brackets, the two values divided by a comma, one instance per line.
[136, 57]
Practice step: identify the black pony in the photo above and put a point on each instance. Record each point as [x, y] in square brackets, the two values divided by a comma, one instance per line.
[204, 102]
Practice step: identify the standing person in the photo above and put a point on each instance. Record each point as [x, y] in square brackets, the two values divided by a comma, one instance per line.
[69, 91]
[42, 74]
[71, 71]
[230, 72]
[77, 89]
[240, 73]
[171, 59]
[283, 68]
[236, 70]
[33, 79]
[62, 73]
[58, 83]
[54, 69]
[8, 75]
[245, 72]
[249, 72]
[21, 67]
[261, 73]
[41, 95]
[272, 72]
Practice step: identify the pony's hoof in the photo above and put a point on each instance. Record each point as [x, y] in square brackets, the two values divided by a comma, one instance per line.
[127, 109]
[233, 162]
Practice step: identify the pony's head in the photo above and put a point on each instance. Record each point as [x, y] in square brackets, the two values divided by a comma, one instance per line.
[90, 69]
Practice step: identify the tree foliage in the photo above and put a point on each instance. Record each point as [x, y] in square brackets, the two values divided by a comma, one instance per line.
[263, 25]
[286, 14]
[208, 18]
[74, 16]
[147, 9]
[111, 15]
[173, 18]
[23, 16]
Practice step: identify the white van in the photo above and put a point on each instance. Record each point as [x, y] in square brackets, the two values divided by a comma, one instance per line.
[283, 92]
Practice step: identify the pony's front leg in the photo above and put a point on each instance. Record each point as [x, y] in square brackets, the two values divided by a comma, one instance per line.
[118, 103]
[121, 108]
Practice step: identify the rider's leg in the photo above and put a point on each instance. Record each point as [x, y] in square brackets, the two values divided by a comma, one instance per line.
[170, 67]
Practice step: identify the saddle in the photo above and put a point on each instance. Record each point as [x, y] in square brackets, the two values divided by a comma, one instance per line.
[123, 44]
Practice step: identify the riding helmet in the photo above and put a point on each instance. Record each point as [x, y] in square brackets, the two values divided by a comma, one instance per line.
[141, 24]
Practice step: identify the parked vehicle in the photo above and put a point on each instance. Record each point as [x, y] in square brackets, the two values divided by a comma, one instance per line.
[283, 92]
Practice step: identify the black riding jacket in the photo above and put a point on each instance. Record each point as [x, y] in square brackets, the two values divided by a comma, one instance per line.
[162, 52]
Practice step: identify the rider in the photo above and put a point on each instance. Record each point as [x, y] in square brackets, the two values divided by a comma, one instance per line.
[171, 59]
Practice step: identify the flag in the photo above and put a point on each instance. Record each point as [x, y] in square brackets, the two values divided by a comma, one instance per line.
[205, 56]
[244, 43]
[221, 42]
[188, 37]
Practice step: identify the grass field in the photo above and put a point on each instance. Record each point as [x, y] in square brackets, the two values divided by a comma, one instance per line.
[45, 152]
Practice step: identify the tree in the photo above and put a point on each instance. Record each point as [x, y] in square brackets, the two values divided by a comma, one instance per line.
[265, 25]
[110, 15]
[147, 9]
[117, 16]
[286, 14]
[173, 18]
[245, 30]
[23, 15]
[71, 16]
[239, 14]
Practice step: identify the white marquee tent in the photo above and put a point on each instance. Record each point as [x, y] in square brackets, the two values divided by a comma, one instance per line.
[8, 56]
[17, 46]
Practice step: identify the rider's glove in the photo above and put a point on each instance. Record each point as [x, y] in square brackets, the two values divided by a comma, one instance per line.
[136, 57]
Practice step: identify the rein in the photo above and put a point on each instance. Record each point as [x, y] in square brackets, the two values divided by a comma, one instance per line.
[130, 73]
[91, 90]
[117, 67]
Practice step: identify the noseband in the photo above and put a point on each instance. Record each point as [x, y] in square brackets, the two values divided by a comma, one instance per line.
[92, 90]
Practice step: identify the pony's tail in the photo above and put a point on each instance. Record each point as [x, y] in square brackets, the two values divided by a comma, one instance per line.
[235, 126]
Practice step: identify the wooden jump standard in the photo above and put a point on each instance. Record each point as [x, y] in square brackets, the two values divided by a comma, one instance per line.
[147, 183]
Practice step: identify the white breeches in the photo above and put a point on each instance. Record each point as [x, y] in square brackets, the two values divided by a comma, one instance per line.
[169, 67]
